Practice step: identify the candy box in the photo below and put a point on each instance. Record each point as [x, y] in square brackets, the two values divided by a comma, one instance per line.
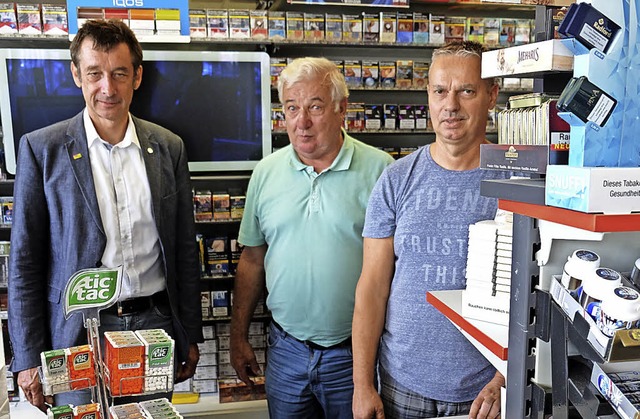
[124, 362]
[82, 371]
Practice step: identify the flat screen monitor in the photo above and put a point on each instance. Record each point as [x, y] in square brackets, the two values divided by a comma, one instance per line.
[218, 102]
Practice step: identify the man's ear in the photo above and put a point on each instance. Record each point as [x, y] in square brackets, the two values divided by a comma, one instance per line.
[137, 79]
[76, 75]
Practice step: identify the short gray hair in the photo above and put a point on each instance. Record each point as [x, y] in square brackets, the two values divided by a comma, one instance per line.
[463, 49]
[311, 68]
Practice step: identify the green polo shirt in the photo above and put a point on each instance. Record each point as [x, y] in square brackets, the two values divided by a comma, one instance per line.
[312, 224]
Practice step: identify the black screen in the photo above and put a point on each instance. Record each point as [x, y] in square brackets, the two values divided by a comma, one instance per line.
[215, 106]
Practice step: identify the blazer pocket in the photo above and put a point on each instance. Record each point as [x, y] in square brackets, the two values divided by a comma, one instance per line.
[55, 294]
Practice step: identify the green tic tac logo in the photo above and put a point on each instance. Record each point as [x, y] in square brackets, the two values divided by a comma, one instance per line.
[56, 363]
[160, 353]
[92, 289]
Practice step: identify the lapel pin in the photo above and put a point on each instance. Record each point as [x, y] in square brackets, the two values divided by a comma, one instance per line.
[77, 156]
[150, 150]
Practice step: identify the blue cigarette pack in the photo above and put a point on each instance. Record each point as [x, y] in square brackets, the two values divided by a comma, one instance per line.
[589, 26]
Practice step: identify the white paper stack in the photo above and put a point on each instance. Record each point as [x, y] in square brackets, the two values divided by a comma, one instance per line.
[488, 273]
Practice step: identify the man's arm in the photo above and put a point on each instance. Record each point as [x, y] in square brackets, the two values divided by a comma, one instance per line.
[249, 287]
[487, 404]
[369, 314]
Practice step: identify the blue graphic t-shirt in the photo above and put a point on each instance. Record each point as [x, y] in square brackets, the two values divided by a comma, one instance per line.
[428, 209]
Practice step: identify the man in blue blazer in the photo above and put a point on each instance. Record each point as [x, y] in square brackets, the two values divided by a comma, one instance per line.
[102, 189]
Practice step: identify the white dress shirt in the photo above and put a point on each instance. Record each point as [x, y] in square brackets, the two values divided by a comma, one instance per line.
[124, 198]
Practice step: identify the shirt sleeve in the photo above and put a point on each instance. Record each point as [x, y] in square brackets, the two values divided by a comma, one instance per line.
[380, 219]
[250, 233]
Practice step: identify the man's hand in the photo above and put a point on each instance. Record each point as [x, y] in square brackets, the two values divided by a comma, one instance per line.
[188, 368]
[367, 404]
[29, 382]
[487, 404]
[243, 360]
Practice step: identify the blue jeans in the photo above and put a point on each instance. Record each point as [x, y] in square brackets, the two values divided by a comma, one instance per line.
[302, 382]
[153, 318]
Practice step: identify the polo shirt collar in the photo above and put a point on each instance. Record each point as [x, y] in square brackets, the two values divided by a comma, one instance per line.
[340, 163]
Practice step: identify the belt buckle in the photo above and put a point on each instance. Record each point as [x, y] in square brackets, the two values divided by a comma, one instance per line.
[119, 307]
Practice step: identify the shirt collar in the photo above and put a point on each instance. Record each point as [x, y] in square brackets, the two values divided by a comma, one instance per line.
[340, 163]
[130, 135]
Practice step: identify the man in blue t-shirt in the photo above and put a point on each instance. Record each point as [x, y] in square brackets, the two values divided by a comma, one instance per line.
[415, 240]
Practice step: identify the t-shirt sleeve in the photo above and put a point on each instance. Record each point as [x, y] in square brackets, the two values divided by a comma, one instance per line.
[250, 233]
[380, 219]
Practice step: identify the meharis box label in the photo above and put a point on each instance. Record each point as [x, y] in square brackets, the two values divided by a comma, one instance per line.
[609, 190]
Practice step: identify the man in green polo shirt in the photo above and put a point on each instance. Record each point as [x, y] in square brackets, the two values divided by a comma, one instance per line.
[302, 231]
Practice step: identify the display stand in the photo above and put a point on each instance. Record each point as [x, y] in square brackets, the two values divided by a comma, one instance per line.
[86, 293]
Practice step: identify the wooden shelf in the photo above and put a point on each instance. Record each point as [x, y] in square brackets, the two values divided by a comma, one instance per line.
[489, 338]
[600, 223]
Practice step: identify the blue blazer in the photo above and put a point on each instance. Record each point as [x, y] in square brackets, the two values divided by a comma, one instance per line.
[57, 230]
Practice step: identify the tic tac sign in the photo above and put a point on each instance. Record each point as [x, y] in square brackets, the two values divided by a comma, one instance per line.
[181, 5]
[90, 290]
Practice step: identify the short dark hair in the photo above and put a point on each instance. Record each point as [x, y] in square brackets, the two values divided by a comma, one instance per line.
[106, 35]
[463, 49]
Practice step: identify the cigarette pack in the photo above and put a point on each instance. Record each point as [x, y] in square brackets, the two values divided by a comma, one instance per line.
[390, 117]
[8, 19]
[420, 74]
[142, 21]
[523, 31]
[404, 74]
[371, 27]
[436, 29]
[476, 29]
[406, 117]
[259, 24]
[277, 25]
[278, 123]
[202, 206]
[237, 206]
[387, 74]
[492, 31]
[239, 24]
[420, 28]
[333, 27]
[454, 28]
[370, 74]
[220, 303]
[314, 27]
[354, 120]
[54, 20]
[507, 32]
[168, 22]
[295, 26]
[373, 116]
[421, 116]
[352, 28]
[217, 256]
[198, 23]
[353, 73]
[221, 206]
[217, 23]
[29, 21]
[405, 28]
[388, 26]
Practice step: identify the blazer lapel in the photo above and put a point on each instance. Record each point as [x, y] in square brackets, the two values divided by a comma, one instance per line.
[78, 152]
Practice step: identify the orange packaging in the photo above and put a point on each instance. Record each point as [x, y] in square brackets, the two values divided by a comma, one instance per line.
[87, 411]
[82, 371]
[124, 363]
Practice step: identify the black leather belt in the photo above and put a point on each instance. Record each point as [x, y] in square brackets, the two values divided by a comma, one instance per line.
[344, 344]
[137, 305]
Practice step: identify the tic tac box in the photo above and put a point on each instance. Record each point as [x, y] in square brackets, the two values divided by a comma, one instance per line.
[158, 360]
[124, 363]
[609, 190]
[552, 55]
